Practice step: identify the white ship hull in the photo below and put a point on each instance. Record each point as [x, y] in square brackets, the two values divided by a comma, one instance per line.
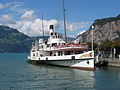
[79, 61]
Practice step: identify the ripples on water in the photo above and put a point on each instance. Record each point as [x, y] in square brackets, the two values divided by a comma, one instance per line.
[17, 74]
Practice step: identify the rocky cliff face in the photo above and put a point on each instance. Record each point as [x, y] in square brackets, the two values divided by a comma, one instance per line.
[108, 28]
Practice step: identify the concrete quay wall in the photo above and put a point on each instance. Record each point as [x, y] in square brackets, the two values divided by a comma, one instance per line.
[113, 62]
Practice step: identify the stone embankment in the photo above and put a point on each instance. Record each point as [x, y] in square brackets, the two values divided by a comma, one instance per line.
[108, 62]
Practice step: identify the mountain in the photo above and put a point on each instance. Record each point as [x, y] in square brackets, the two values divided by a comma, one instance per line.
[11, 40]
[104, 29]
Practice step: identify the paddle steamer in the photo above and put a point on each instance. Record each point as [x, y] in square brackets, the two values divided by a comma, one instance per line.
[55, 51]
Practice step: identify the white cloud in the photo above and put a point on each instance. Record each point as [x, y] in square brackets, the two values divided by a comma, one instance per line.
[71, 36]
[28, 16]
[28, 23]
[76, 26]
[16, 7]
[2, 6]
[7, 19]
[31, 25]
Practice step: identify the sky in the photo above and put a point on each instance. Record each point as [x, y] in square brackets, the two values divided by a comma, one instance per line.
[26, 15]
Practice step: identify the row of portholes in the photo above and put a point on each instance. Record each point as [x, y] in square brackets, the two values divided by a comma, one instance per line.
[70, 61]
[67, 61]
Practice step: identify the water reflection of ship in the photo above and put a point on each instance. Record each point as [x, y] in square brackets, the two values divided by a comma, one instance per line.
[84, 79]
[58, 77]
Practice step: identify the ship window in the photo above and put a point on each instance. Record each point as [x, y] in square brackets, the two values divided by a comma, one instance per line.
[68, 53]
[45, 42]
[50, 53]
[48, 45]
[51, 34]
[33, 54]
[78, 52]
[33, 50]
[54, 44]
[60, 53]
[73, 57]
[55, 33]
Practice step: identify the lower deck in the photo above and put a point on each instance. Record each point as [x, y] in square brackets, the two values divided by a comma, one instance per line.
[86, 64]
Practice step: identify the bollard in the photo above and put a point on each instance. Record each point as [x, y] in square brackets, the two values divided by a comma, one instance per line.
[119, 57]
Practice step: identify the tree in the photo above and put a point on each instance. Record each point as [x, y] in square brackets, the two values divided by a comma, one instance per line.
[106, 47]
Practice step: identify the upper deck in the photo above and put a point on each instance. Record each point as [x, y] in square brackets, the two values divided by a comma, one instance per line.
[68, 47]
[56, 43]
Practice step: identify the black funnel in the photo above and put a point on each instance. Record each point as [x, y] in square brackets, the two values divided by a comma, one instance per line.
[51, 26]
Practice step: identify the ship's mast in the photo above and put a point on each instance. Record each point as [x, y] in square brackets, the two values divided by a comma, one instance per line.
[64, 22]
[42, 26]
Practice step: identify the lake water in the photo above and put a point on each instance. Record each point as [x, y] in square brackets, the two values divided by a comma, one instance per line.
[17, 74]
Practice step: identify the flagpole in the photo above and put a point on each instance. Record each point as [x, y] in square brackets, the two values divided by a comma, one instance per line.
[92, 37]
